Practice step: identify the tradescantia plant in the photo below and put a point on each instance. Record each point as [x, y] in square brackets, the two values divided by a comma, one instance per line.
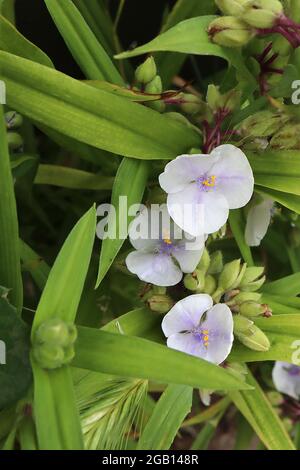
[188, 312]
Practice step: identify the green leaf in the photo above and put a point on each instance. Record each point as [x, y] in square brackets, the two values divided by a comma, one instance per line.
[139, 322]
[91, 116]
[63, 289]
[286, 286]
[169, 412]
[12, 41]
[129, 356]
[190, 37]
[10, 266]
[15, 370]
[283, 332]
[7, 9]
[72, 178]
[34, 264]
[83, 44]
[237, 226]
[129, 183]
[56, 414]
[261, 416]
[291, 201]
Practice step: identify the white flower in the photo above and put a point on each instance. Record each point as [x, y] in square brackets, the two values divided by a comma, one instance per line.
[258, 220]
[286, 378]
[163, 252]
[196, 327]
[202, 188]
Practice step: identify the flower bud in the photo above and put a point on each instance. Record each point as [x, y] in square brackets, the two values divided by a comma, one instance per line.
[155, 88]
[49, 356]
[255, 285]
[287, 138]
[13, 120]
[231, 7]
[241, 324]
[262, 13]
[146, 71]
[194, 281]
[191, 104]
[160, 303]
[204, 262]
[230, 275]
[213, 97]
[254, 338]
[216, 263]
[15, 141]
[210, 284]
[229, 31]
[262, 124]
[251, 274]
[252, 309]
[246, 296]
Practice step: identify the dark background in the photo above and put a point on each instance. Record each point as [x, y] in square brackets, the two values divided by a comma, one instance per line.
[140, 22]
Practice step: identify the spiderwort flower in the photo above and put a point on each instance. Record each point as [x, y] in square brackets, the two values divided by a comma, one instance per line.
[258, 221]
[164, 254]
[286, 378]
[202, 188]
[196, 327]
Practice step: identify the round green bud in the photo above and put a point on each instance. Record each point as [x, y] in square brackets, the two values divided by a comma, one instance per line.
[231, 7]
[154, 87]
[252, 309]
[287, 138]
[216, 263]
[194, 281]
[230, 275]
[204, 262]
[213, 97]
[160, 303]
[246, 296]
[262, 124]
[254, 338]
[262, 13]
[54, 331]
[254, 286]
[251, 274]
[13, 120]
[15, 140]
[229, 31]
[146, 71]
[191, 104]
[49, 356]
[210, 284]
[241, 324]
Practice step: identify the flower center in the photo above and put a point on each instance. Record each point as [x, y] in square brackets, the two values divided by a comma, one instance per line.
[206, 183]
[293, 370]
[202, 334]
[166, 244]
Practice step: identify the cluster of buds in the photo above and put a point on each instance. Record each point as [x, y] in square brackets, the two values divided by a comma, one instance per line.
[53, 343]
[157, 299]
[236, 285]
[246, 19]
[13, 122]
[150, 83]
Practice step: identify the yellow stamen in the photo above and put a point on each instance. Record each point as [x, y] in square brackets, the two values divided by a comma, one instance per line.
[168, 241]
[210, 182]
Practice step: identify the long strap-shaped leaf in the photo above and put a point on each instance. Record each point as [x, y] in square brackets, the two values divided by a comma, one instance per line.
[129, 356]
[171, 409]
[89, 115]
[261, 416]
[129, 183]
[83, 44]
[10, 267]
[237, 226]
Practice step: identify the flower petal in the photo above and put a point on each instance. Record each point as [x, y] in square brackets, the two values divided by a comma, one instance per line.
[186, 342]
[234, 176]
[158, 269]
[258, 221]
[188, 253]
[140, 231]
[183, 170]
[284, 381]
[219, 323]
[186, 314]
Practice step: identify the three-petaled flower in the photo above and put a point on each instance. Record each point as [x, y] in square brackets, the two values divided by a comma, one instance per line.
[202, 188]
[196, 327]
[163, 252]
[286, 378]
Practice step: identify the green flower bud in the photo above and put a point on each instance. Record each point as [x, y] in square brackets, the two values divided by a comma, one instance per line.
[262, 13]
[15, 140]
[194, 281]
[252, 309]
[231, 7]
[230, 275]
[213, 97]
[254, 338]
[262, 124]
[241, 324]
[13, 120]
[251, 274]
[287, 138]
[229, 31]
[204, 262]
[246, 296]
[49, 356]
[255, 285]
[155, 88]
[146, 71]
[216, 263]
[210, 284]
[160, 303]
[192, 104]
